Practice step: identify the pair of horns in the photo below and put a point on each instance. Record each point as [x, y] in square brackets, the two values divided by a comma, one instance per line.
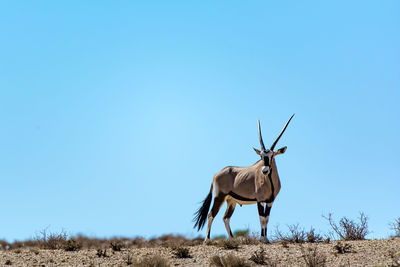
[277, 139]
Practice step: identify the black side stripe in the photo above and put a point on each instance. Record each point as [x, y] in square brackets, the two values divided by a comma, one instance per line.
[268, 200]
[235, 196]
[271, 198]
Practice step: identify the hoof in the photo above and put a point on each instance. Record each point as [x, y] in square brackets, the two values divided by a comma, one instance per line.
[264, 240]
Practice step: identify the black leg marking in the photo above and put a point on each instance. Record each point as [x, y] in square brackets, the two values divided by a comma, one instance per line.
[217, 205]
[260, 208]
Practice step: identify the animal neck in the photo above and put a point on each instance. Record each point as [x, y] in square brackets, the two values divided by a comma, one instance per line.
[259, 164]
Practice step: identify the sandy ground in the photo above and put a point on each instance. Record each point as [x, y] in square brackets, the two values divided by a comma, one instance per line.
[363, 253]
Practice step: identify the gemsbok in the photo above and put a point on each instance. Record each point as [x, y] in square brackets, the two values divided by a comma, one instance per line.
[258, 183]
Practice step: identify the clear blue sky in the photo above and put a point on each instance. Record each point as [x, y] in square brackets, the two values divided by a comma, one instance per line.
[116, 115]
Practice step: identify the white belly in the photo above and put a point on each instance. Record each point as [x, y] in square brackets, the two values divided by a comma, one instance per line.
[240, 202]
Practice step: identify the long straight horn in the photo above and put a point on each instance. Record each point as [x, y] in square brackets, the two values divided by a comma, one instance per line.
[259, 134]
[277, 139]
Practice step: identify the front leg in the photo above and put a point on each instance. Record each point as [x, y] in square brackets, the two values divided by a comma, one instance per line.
[264, 218]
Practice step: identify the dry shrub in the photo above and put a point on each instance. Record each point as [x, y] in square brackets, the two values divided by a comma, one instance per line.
[152, 261]
[51, 240]
[4, 245]
[139, 242]
[230, 243]
[72, 245]
[181, 252]
[297, 235]
[7, 262]
[129, 259]
[248, 240]
[285, 244]
[343, 248]
[116, 245]
[101, 253]
[259, 257]
[244, 237]
[35, 251]
[395, 226]
[313, 237]
[313, 258]
[229, 260]
[348, 229]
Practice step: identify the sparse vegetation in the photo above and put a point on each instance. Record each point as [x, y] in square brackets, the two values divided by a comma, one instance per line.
[72, 245]
[101, 252]
[293, 247]
[395, 226]
[49, 240]
[181, 252]
[116, 245]
[229, 260]
[152, 261]
[343, 248]
[4, 244]
[259, 258]
[348, 229]
[313, 258]
[35, 251]
[129, 259]
[231, 243]
[297, 235]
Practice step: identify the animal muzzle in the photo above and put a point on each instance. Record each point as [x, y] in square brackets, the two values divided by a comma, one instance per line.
[265, 170]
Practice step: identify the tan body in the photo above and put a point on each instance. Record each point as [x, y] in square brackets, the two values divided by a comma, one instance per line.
[248, 182]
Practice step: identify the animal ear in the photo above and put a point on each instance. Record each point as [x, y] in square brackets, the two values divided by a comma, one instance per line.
[257, 151]
[280, 150]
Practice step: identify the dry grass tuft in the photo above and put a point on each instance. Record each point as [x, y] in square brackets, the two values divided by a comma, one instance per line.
[101, 253]
[72, 245]
[116, 245]
[129, 259]
[259, 258]
[343, 248]
[229, 261]
[152, 261]
[230, 243]
[181, 252]
[4, 245]
[313, 258]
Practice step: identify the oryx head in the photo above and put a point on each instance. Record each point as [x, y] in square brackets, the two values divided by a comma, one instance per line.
[268, 154]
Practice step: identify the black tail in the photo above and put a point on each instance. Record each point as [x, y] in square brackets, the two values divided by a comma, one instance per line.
[201, 214]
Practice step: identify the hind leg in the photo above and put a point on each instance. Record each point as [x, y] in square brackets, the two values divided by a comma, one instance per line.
[218, 200]
[228, 213]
